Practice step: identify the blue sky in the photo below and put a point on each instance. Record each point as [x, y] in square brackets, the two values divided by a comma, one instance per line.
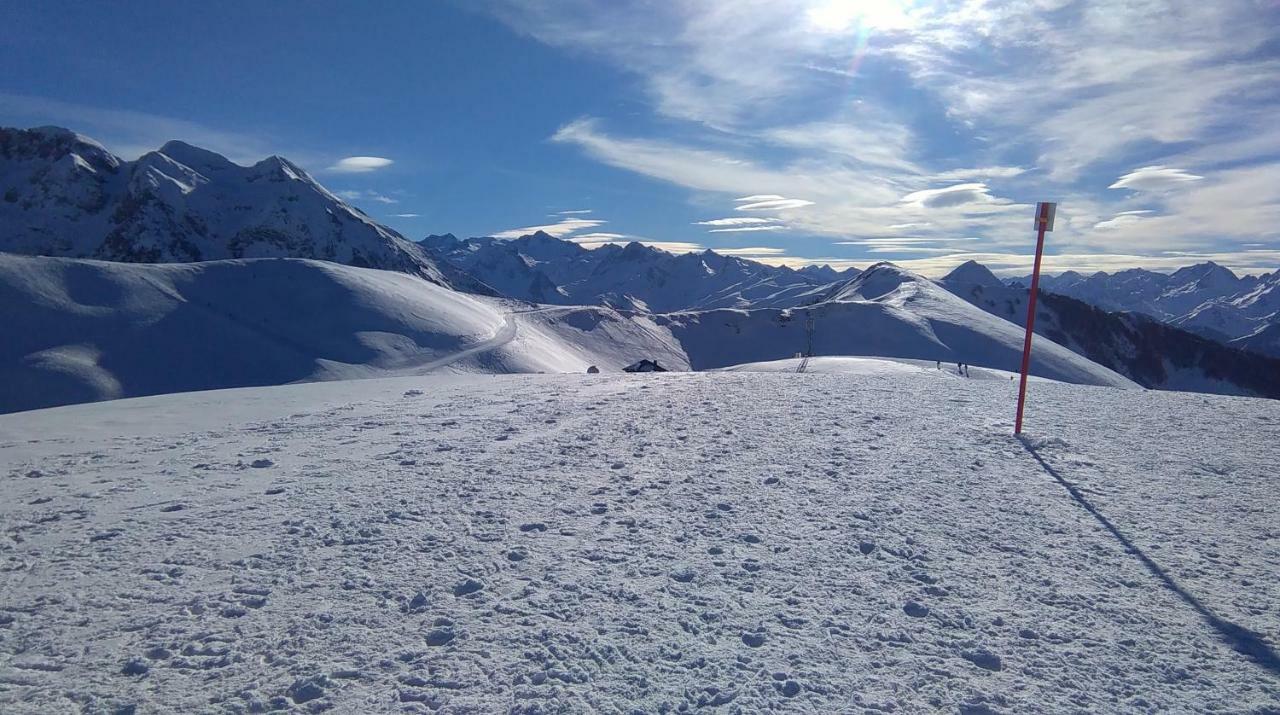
[790, 131]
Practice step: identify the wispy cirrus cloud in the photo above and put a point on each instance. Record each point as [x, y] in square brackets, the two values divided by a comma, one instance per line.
[559, 229]
[361, 195]
[735, 221]
[954, 119]
[749, 229]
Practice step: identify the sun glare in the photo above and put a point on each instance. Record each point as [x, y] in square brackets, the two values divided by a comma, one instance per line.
[844, 15]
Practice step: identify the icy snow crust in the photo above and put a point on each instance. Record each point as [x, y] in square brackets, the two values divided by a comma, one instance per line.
[620, 543]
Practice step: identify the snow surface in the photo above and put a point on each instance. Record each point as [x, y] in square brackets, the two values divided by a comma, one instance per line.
[642, 543]
[879, 366]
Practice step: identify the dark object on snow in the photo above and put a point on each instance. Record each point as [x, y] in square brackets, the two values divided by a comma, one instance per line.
[593, 370]
[645, 366]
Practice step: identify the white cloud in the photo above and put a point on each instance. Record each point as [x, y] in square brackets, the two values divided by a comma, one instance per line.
[736, 221]
[356, 195]
[956, 195]
[597, 237]
[359, 164]
[1154, 178]
[1122, 218]
[988, 172]
[573, 213]
[751, 252]
[774, 205]
[406, 215]
[745, 229]
[560, 229]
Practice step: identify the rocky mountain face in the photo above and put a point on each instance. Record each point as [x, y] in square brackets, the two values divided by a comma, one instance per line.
[63, 194]
[1148, 351]
[544, 269]
[1206, 299]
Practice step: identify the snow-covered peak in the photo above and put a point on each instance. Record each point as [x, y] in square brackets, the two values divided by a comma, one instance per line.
[200, 160]
[53, 143]
[1202, 272]
[972, 273]
[64, 195]
[877, 281]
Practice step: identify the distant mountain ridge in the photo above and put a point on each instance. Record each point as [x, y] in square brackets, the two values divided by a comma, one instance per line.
[1152, 353]
[544, 269]
[63, 194]
[1207, 299]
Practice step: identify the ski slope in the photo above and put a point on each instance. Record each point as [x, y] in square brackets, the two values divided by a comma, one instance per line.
[80, 331]
[731, 541]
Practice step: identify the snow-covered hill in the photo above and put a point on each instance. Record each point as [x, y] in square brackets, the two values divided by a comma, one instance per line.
[878, 366]
[63, 194]
[78, 331]
[91, 330]
[1152, 353]
[544, 269]
[885, 311]
[713, 542]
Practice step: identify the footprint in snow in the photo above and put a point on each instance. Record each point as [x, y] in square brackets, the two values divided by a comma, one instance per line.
[467, 587]
[915, 609]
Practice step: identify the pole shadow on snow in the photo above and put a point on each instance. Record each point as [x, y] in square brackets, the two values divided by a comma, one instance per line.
[1239, 638]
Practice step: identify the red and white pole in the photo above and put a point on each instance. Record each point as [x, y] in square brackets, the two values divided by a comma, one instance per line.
[1044, 222]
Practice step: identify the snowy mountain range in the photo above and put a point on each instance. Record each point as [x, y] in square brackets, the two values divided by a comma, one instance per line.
[1153, 353]
[1206, 299]
[543, 269]
[231, 304]
[63, 194]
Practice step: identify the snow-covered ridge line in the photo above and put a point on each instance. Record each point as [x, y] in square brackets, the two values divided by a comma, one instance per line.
[62, 194]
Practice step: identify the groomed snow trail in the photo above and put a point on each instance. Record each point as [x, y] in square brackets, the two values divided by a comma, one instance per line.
[638, 543]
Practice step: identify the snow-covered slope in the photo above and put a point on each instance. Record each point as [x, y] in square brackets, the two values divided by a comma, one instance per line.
[878, 366]
[544, 269]
[886, 311]
[62, 194]
[1152, 353]
[1265, 341]
[79, 330]
[715, 542]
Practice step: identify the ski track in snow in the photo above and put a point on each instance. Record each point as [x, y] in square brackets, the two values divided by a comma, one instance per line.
[624, 543]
